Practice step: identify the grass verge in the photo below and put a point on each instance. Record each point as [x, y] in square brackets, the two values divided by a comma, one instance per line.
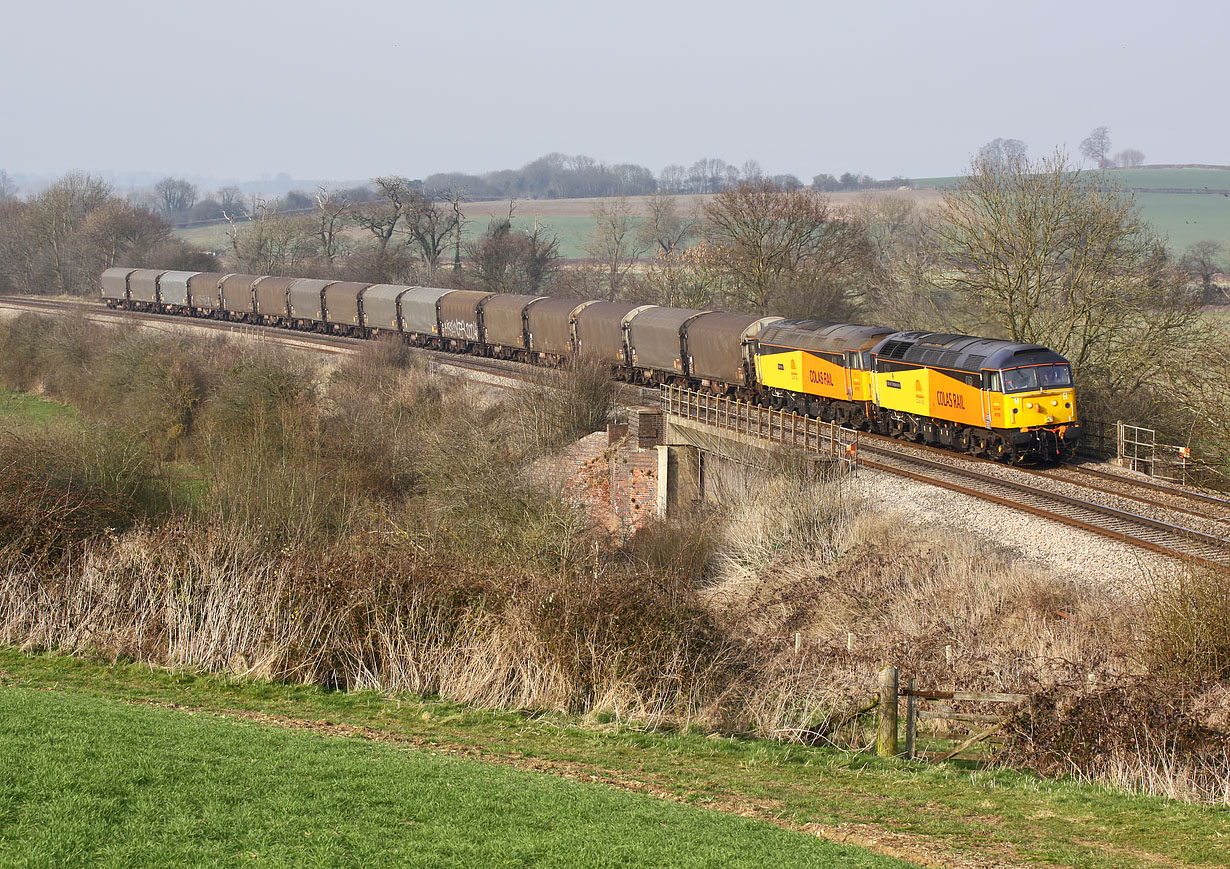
[936, 815]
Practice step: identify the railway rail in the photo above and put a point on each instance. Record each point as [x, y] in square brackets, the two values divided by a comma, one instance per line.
[789, 429]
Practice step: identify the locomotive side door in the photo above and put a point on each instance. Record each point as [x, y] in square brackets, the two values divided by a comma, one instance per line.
[990, 381]
[851, 362]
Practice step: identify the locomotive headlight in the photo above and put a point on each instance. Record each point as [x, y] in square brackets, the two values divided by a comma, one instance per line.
[1054, 404]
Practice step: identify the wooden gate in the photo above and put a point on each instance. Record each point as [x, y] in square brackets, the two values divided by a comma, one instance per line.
[945, 725]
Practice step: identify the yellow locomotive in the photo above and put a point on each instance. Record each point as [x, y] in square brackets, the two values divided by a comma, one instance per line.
[984, 396]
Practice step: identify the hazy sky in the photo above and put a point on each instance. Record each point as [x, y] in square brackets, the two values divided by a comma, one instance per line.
[350, 90]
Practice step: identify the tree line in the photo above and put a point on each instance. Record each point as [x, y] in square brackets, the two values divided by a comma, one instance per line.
[1038, 251]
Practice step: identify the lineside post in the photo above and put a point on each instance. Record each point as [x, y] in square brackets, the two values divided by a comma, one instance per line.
[886, 736]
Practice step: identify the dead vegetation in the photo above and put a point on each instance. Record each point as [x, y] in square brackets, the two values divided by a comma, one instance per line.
[245, 512]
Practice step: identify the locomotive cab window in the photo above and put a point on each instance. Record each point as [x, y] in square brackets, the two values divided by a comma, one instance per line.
[1020, 379]
[991, 379]
[853, 361]
[1054, 376]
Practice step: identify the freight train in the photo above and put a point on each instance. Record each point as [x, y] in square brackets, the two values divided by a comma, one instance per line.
[1005, 400]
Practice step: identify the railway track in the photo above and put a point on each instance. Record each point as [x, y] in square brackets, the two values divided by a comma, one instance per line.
[953, 472]
[950, 471]
[1163, 537]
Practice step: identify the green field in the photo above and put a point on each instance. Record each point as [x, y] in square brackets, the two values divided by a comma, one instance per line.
[21, 407]
[90, 781]
[1183, 218]
[573, 231]
[121, 763]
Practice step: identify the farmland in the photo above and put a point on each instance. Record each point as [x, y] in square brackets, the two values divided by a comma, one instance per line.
[355, 777]
[1183, 218]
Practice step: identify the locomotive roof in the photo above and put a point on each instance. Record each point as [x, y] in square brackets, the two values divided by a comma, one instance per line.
[822, 335]
[961, 352]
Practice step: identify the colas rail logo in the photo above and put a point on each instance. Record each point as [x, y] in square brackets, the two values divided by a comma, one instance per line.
[950, 399]
[820, 377]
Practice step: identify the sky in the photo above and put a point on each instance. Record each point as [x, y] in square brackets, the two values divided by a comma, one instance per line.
[239, 90]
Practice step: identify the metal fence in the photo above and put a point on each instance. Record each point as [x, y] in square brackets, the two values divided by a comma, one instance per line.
[777, 427]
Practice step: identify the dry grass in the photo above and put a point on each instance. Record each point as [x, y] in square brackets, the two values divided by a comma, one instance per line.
[370, 527]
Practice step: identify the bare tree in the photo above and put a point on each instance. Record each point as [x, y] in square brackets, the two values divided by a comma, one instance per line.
[55, 216]
[454, 196]
[1003, 152]
[663, 227]
[332, 211]
[1052, 256]
[431, 227]
[175, 196]
[272, 243]
[508, 260]
[1203, 261]
[1130, 158]
[384, 217]
[8, 189]
[230, 199]
[614, 242]
[690, 277]
[118, 229]
[1096, 147]
[786, 251]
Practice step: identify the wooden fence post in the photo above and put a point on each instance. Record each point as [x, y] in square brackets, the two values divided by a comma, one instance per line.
[886, 736]
[911, 719]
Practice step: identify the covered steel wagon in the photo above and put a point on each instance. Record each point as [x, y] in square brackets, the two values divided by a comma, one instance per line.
[341, 310]
[236, 294]
[270, 296]
[115, 285]
[600, 330]
[381, 306]
[173, 288]
[655, 339]
[720, 347]
[459, 315]
[550, 326]
[504, 327]
[307, 300]
[203, 291]
[143, 286]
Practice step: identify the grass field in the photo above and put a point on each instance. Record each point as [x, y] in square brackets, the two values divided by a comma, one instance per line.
[89, 781]
[1183, 217]
[121, 763]
[21, 407]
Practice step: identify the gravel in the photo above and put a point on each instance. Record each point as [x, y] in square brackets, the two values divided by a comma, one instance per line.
[1050, 545]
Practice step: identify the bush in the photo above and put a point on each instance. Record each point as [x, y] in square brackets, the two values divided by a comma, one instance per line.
[1188, 624]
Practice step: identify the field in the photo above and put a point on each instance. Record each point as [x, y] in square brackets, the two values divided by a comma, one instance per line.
[1183, 217]
[209, 770]
[178, 788]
